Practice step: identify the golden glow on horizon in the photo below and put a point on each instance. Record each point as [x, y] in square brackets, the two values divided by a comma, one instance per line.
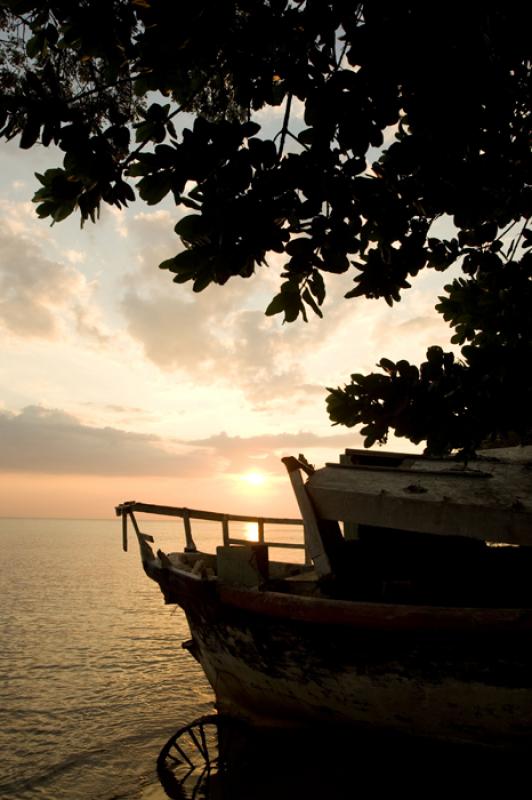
[95, 496]
[254, 478]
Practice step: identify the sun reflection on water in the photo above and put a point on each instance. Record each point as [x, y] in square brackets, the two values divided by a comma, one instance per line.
[251, 531]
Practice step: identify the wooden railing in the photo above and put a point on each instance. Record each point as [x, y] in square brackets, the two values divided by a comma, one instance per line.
[127, 509]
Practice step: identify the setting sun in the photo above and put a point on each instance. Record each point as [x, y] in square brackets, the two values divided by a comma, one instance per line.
[254, 478]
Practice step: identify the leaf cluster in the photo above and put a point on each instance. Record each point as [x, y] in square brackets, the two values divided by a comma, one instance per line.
[403, 122]
[456, 404]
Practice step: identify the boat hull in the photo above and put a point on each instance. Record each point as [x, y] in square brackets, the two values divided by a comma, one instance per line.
[460, 675]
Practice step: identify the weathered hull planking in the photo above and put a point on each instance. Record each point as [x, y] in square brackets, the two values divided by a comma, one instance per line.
[462, 675]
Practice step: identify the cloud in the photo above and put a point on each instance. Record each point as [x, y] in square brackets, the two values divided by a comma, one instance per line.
[411, 329]
[172, 333]
[40, 296]
[152, 234]
[265, 451]
[260, 445]
[49, 441]
[115, 408]
[119, 218]
[32, 288]
[89, 323]
[75, 256]
[222, 336]
[219, 335]
[216, 343]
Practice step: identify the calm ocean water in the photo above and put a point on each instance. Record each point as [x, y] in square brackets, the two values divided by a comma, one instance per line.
[93, 679]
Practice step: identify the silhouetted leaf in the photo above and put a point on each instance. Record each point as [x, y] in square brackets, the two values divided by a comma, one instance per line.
[249, 129]
[30, 133]
[152, 188]
[277, 305]
[191, 227]
[36, 44]
[307, 297]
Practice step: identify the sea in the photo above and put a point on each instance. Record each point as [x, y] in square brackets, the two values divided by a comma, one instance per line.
[94, 681]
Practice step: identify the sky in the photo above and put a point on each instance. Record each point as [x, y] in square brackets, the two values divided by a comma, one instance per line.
[117, 384]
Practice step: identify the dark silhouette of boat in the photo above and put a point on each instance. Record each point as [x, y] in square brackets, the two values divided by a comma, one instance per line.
[412, 616]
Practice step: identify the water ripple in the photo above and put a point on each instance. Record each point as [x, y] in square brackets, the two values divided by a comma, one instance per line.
[88, 650]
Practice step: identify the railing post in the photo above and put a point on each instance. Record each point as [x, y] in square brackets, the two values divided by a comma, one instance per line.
[124, 532]
[261, 530]
[225, 530]
[308, 559]
[190, 546]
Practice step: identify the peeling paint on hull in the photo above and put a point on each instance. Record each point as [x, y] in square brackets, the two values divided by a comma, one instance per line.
[451, 684]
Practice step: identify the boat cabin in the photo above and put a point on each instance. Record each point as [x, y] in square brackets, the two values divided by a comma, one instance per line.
[398, 527]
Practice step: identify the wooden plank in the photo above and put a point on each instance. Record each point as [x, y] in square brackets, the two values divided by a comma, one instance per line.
[214, 516]
[380, 454]
[282, 545]
[313, 541]
[380, 616]
[498, 508]
[416, 469]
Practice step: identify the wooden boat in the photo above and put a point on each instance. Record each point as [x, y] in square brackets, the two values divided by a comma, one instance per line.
[416, 618]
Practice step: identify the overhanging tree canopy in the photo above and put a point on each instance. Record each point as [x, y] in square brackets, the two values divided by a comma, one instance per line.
[447, 89]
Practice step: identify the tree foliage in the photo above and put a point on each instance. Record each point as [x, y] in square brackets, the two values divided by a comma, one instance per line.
[411, 114]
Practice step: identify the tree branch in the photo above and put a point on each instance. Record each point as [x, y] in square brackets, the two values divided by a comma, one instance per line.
[286, 120]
